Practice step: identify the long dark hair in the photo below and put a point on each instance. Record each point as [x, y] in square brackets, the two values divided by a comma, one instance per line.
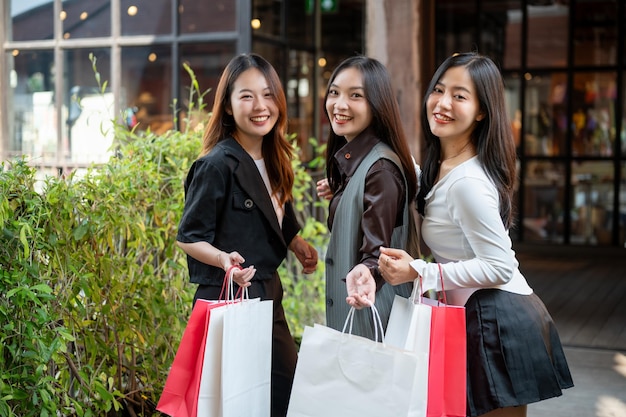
[492, 137]
[386, 121]
[277, 151]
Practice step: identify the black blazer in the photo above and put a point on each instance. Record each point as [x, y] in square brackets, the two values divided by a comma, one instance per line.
[227, 205]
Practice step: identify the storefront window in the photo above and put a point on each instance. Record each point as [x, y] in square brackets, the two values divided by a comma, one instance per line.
[544, 191]
[595, 32]
[501, 32]
[147, 17]
[545, 114]
[86, 19]
[207, 61]
[593, 119]
[547, 35]
[512, 91]
[592, 202]
[88, 110]
[32, 114]
[207, 16]
[31, 20]
[146, 88]
[266, 17]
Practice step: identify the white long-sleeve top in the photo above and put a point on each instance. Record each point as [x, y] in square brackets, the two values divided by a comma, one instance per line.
[464, 231]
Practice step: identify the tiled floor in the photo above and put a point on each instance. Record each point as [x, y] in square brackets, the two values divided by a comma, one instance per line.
[585, 291]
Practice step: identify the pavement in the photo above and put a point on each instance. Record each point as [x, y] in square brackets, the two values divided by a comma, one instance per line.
[599, 386]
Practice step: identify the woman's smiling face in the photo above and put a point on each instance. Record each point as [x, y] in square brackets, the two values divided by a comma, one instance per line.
[252, 105]
[453, 107]
[346, 104]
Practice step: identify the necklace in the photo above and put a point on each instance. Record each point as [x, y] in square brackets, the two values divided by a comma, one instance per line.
[457, 154]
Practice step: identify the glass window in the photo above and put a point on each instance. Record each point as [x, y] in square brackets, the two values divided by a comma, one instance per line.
[623, 128]
[266, 15]
[455, 24]
[592, 202]
[593, 120]
[207, 61]
[300, 33]
[547, 35]
[512, 92]
[86, 19]
[501, 32]
[622, 207]
[595, 32]
[207, 16]
[88, 111]
[146, 17]
[544, 191]
[32, 114]
[545, 115]
[301, 98]
[146, 88]
[31, 20]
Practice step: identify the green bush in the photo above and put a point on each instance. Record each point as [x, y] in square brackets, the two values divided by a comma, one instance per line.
[94, 293]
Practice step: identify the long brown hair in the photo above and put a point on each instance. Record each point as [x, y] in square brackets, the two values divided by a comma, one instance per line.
[386, 120]
[492, 137]
[277, 151]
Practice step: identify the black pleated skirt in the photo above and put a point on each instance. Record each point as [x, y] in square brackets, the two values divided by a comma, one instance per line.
[514, 353]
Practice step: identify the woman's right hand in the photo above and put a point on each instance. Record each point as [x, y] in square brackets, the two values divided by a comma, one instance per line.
[323, 189]
[243, 276]
[361, 287]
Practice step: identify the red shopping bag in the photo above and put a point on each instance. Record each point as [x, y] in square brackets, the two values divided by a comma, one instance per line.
[180, 394]
[182, 387]
[447, 363]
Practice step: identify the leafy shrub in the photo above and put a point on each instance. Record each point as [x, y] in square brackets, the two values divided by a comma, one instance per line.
[94, 294]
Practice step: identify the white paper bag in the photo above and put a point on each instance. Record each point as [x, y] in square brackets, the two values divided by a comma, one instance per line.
[339, 374]
[409, 328]
[247, 359]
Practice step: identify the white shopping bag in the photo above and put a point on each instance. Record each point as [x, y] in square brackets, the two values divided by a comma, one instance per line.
[340, 374]
[409, 328]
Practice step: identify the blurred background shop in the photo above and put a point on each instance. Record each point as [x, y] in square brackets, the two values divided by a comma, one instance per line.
[564, 63]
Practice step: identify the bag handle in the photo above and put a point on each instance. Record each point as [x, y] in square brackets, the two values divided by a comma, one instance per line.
[228, 286]
[443, 291]
[378, 323]
[441, 295]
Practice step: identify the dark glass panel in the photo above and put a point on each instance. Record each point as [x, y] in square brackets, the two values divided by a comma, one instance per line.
[593, 120]
[545, 114]
[147, 88]
[146, 17]
[595, 32]
[207, 16]
[547, 35]
[31, 20]
[30, 100]
[207, 61]
[86, 19]
[592, 202]
[544, 194]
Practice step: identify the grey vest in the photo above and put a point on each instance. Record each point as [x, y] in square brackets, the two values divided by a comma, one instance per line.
[343, 250]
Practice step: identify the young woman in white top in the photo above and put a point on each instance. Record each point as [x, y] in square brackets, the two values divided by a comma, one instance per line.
[514, 352]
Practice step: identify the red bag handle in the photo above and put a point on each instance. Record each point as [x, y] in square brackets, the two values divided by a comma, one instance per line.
[226, 293]
[443, 291]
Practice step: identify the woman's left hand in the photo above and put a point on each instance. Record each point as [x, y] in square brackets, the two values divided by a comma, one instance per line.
[395, 266]
[306, 254]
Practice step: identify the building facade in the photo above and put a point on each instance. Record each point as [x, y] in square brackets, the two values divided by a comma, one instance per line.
[69, 67]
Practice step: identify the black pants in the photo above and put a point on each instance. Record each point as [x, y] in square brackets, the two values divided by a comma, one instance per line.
[284, 349]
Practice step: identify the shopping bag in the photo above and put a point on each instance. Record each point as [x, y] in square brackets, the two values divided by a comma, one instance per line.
[340, 374]
[247, 359]
[180, 393]
[447, 362]
[409, 328]
[223, 365]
